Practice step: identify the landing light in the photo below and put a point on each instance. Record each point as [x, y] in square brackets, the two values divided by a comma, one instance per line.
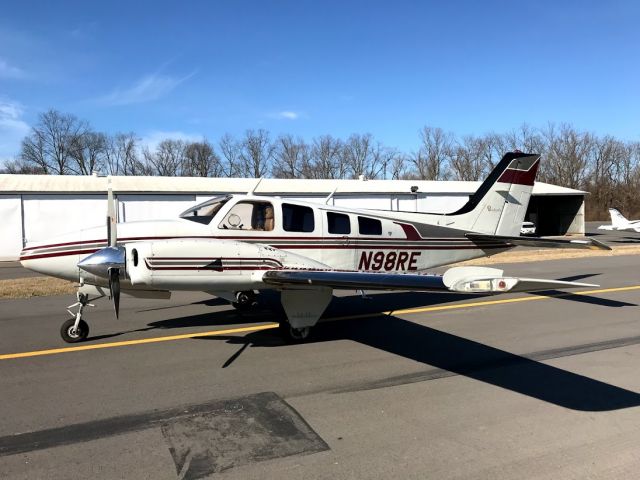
[487, 285]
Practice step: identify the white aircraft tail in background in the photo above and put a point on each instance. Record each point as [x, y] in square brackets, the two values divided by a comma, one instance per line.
[620, 222]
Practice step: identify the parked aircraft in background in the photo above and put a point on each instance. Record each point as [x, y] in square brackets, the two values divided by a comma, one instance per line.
[619, 222]
[232, 246]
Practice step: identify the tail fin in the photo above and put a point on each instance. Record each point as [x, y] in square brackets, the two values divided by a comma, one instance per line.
[498, 207]
[617, 219]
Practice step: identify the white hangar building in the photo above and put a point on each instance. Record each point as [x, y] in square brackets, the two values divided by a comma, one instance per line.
[36, 207]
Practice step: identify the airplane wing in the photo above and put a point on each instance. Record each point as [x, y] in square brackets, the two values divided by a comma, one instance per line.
[582, 243]
[456, 279]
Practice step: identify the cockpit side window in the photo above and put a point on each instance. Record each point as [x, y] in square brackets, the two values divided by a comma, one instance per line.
[257, 216]
[204, 212]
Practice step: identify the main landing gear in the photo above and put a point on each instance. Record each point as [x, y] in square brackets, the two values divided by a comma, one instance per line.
[245, 300]
[76, 329]
[293, 335]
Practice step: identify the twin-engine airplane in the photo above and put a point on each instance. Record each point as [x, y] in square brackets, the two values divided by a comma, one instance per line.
[231, 246]
[619, 222]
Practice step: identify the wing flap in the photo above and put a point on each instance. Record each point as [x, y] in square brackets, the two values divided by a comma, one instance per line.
[355, 280]
[581, 243]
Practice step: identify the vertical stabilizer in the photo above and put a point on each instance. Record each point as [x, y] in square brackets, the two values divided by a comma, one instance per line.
[498, 207]
[617, 219]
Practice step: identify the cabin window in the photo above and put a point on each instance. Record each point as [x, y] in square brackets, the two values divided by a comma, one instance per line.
[369, 226]
[338, 223]
[296, 218]
[256, 216]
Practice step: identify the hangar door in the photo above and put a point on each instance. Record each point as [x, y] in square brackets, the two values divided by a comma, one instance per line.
[557, 214]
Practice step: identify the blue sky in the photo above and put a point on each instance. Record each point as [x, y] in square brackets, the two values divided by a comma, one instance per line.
[202, 68]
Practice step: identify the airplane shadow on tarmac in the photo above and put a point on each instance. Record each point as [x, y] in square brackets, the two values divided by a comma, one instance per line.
[449, 354]
[461, 356]
[455, 355]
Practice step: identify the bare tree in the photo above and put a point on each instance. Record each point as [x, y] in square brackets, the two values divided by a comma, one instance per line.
[122, 155]
[398, 166]
[167, 159]
[48, 146]
[88, 152]
[201, 160]
[431, 161]
[325, 159]
[525, 138]
[567, 156]
[256, 153]
[230, 150]
[468, 159]
[18, 166]
[290, 157]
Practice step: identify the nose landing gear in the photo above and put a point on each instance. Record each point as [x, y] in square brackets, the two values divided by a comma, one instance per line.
[76, 329]
[71, 333]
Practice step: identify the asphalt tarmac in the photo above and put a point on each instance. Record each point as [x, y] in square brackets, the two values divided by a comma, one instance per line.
[444, 386]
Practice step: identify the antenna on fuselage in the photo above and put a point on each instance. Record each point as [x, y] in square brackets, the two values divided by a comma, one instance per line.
[250, 192]
[330, 196]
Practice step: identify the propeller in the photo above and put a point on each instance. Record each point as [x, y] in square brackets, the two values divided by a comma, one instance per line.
[114, 288]
[108, 262]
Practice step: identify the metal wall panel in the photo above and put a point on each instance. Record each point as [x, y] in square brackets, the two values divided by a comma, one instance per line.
[10, 227]
[133, 208]
[46, 216]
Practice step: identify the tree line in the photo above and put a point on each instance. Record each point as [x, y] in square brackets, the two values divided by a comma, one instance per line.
[607, 167]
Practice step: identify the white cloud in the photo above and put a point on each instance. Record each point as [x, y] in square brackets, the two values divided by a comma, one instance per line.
[12, 129]
[286, 115]
[148, 88]
[152, 139]
[9, 71]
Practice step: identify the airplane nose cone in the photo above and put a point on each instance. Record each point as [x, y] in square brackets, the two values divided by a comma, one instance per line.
[50, 258]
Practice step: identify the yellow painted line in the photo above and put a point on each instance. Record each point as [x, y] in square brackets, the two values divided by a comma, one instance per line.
[97, 346]
[408, 311]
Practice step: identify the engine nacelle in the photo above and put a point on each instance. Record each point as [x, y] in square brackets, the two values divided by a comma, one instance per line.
[206, 264]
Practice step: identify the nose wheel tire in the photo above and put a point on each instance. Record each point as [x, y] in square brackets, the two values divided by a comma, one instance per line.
[70, 334]
[294, 335]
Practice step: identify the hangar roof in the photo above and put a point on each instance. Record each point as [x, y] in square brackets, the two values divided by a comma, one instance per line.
[126, 184]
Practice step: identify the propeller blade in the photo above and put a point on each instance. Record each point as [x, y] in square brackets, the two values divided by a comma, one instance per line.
[112, 221]
[114, 288]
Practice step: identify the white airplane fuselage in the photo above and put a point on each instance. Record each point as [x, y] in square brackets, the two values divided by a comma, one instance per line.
[221, 254]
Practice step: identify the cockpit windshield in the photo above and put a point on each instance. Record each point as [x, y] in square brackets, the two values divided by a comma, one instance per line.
[205, 211]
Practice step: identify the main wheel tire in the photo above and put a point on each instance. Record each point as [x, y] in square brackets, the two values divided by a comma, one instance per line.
[246, 300]
[294, 335]
[73, 335]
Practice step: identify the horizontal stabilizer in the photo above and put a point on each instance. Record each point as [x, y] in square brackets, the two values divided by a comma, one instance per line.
[583, 243]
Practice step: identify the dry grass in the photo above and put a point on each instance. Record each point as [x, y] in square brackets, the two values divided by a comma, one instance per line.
[45, 286]
[521, 256]
[35, 287]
